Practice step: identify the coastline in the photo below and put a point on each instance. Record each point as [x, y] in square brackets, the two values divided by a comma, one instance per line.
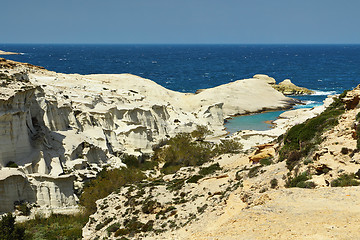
[8, 53]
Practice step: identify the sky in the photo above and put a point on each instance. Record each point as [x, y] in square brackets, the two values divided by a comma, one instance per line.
[181, 22]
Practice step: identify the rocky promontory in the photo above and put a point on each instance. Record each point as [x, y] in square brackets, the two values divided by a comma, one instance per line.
[286, 87]
[8, 53]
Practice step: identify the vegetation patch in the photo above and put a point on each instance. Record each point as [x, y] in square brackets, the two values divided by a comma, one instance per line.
[345, 180]
[56, 226]
[9, 230]
[273, 183]
[301, 139]
[300, 181]
[183, 151]
[11, 164]
[107, 182]
[209, 170]
[253, 172]
[266, 161]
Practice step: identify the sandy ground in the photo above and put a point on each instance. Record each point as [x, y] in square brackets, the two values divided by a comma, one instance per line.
[325, 213]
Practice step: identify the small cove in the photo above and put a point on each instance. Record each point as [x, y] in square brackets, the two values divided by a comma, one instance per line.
[257, 121]
[261, 121]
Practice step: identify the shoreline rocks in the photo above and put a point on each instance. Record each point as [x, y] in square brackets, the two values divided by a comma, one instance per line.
[286, 87]
[8, 53]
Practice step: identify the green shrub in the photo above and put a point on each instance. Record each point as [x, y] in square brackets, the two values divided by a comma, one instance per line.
[266, 161]
[182, 151]
[300, 181]
[56, 226]
[141, 163]
[227, 146]
[202, 209]
[103, 224]
[194, 178]
[345, 180]
[113, 228]
[9, 230]
[130, 160]
[273, 183]
[301, 139]
[107, 182]
[11, 164]
[23, 209]
[253, 171]
[200, 133]
[210, 169]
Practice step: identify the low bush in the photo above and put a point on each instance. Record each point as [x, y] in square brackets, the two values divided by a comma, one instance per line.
[183, 151]
[345, 180]
[11, 164]
[266, 161]
[9, 230]
[203, 172]
[56, 226]
[194, 178]
[210, 169]
[273, 183]
[300, 181]
[227, 146]
[301, 139]
[253, 171]
[107, 182]
[200, 133]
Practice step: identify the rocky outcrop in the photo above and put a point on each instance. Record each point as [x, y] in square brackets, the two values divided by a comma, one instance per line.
[8, 53]
[54, 124]
[242, 199]
[352, 98]
[264, 151]
[266, 78]
[288, 88]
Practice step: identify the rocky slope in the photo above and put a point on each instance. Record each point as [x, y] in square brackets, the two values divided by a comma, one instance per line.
[56, 128]
[248, 196]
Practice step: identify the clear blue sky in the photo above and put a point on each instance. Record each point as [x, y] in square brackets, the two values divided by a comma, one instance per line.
[185, 21]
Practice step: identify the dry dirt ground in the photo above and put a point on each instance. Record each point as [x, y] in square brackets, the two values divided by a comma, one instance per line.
[293, 213]
[324, 213]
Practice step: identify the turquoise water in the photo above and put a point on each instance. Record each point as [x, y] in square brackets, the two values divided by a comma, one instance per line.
[252, 122]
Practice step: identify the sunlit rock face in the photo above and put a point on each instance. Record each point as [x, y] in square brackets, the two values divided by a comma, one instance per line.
[62, 128]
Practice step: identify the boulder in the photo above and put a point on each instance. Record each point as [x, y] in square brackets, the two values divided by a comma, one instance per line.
[262, 152]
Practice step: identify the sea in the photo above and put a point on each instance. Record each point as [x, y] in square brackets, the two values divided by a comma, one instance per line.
[326, 69]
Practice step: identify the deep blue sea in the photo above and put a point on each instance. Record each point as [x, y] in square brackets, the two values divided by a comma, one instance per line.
[324, 68]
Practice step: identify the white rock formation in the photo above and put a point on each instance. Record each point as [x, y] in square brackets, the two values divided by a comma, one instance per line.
[53, 123]
[268, 79]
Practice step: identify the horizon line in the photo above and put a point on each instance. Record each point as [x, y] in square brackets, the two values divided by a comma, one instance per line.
[180, 43]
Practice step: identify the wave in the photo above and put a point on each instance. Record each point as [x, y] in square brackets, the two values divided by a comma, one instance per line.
[309, 104]
[323, 93]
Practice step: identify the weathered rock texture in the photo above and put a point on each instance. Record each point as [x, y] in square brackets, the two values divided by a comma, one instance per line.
[53, 124]
[248, 199]
[286, 87]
